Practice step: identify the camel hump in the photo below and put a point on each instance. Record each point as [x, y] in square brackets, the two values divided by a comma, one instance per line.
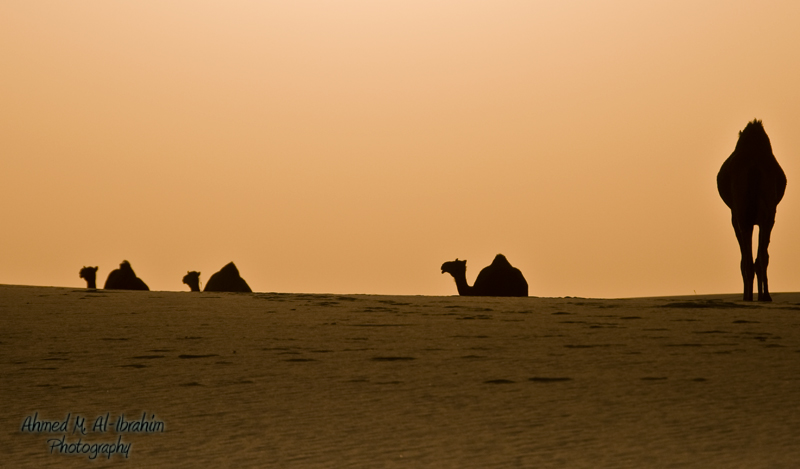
[227, 279]
[230, 269]
[124, 279]
[501, 279]
[501, 261]
[125, 266]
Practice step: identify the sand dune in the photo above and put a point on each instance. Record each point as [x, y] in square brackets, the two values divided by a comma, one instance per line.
[296, 380]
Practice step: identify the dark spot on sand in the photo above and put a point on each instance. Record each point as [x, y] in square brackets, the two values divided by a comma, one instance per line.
[133, 365]
[379, 325]
[190, 337]
[499, 381]
[392, 359]
[198, 356]
[744, 321]
[147, 357]
[193, 383]
[378, 309]
[115, 338]
[542, 379]
[392, 302]
[594, 345]
[299, 360]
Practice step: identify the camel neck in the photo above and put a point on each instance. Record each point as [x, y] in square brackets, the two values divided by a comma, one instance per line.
[461, 284]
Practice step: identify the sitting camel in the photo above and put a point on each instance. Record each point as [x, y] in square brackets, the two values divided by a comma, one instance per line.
[498, 279]
[124, 279]
[227, 280]
[90, 275]
[193, 280]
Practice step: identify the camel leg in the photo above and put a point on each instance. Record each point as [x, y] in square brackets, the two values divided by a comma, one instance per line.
[744, 234]
[762, 261]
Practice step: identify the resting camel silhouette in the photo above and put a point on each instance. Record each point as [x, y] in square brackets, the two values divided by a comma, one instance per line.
[751, 183]
[193, 280]
[90, 275]
[497, 279]
[124, 279]
[226, 280]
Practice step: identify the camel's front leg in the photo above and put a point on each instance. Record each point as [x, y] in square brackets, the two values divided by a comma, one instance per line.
[744, 234]
[762, 261]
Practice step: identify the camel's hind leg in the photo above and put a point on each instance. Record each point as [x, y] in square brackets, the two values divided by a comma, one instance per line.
[762, 261]
[744, 234]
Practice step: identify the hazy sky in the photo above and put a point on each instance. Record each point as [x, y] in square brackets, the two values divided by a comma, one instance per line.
[354, 146]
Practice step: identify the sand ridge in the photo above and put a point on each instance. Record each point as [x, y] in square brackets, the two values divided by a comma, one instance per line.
[312, 380]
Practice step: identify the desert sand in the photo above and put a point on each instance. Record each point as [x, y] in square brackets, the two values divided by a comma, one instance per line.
[302, 380]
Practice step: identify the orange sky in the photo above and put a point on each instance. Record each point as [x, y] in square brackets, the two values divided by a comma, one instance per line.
[354, 146]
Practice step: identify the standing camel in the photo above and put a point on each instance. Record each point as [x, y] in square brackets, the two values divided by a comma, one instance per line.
[751, 183]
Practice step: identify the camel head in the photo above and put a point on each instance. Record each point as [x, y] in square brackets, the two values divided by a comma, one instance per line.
[754, 139]
[455, 268]
[193, 280]
[88, 272]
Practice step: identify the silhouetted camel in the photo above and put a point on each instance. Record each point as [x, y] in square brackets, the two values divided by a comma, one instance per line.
[90, 275]
[497, 279]
[227, 280]
[124, 279]
[193, 280]
[751, 182]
